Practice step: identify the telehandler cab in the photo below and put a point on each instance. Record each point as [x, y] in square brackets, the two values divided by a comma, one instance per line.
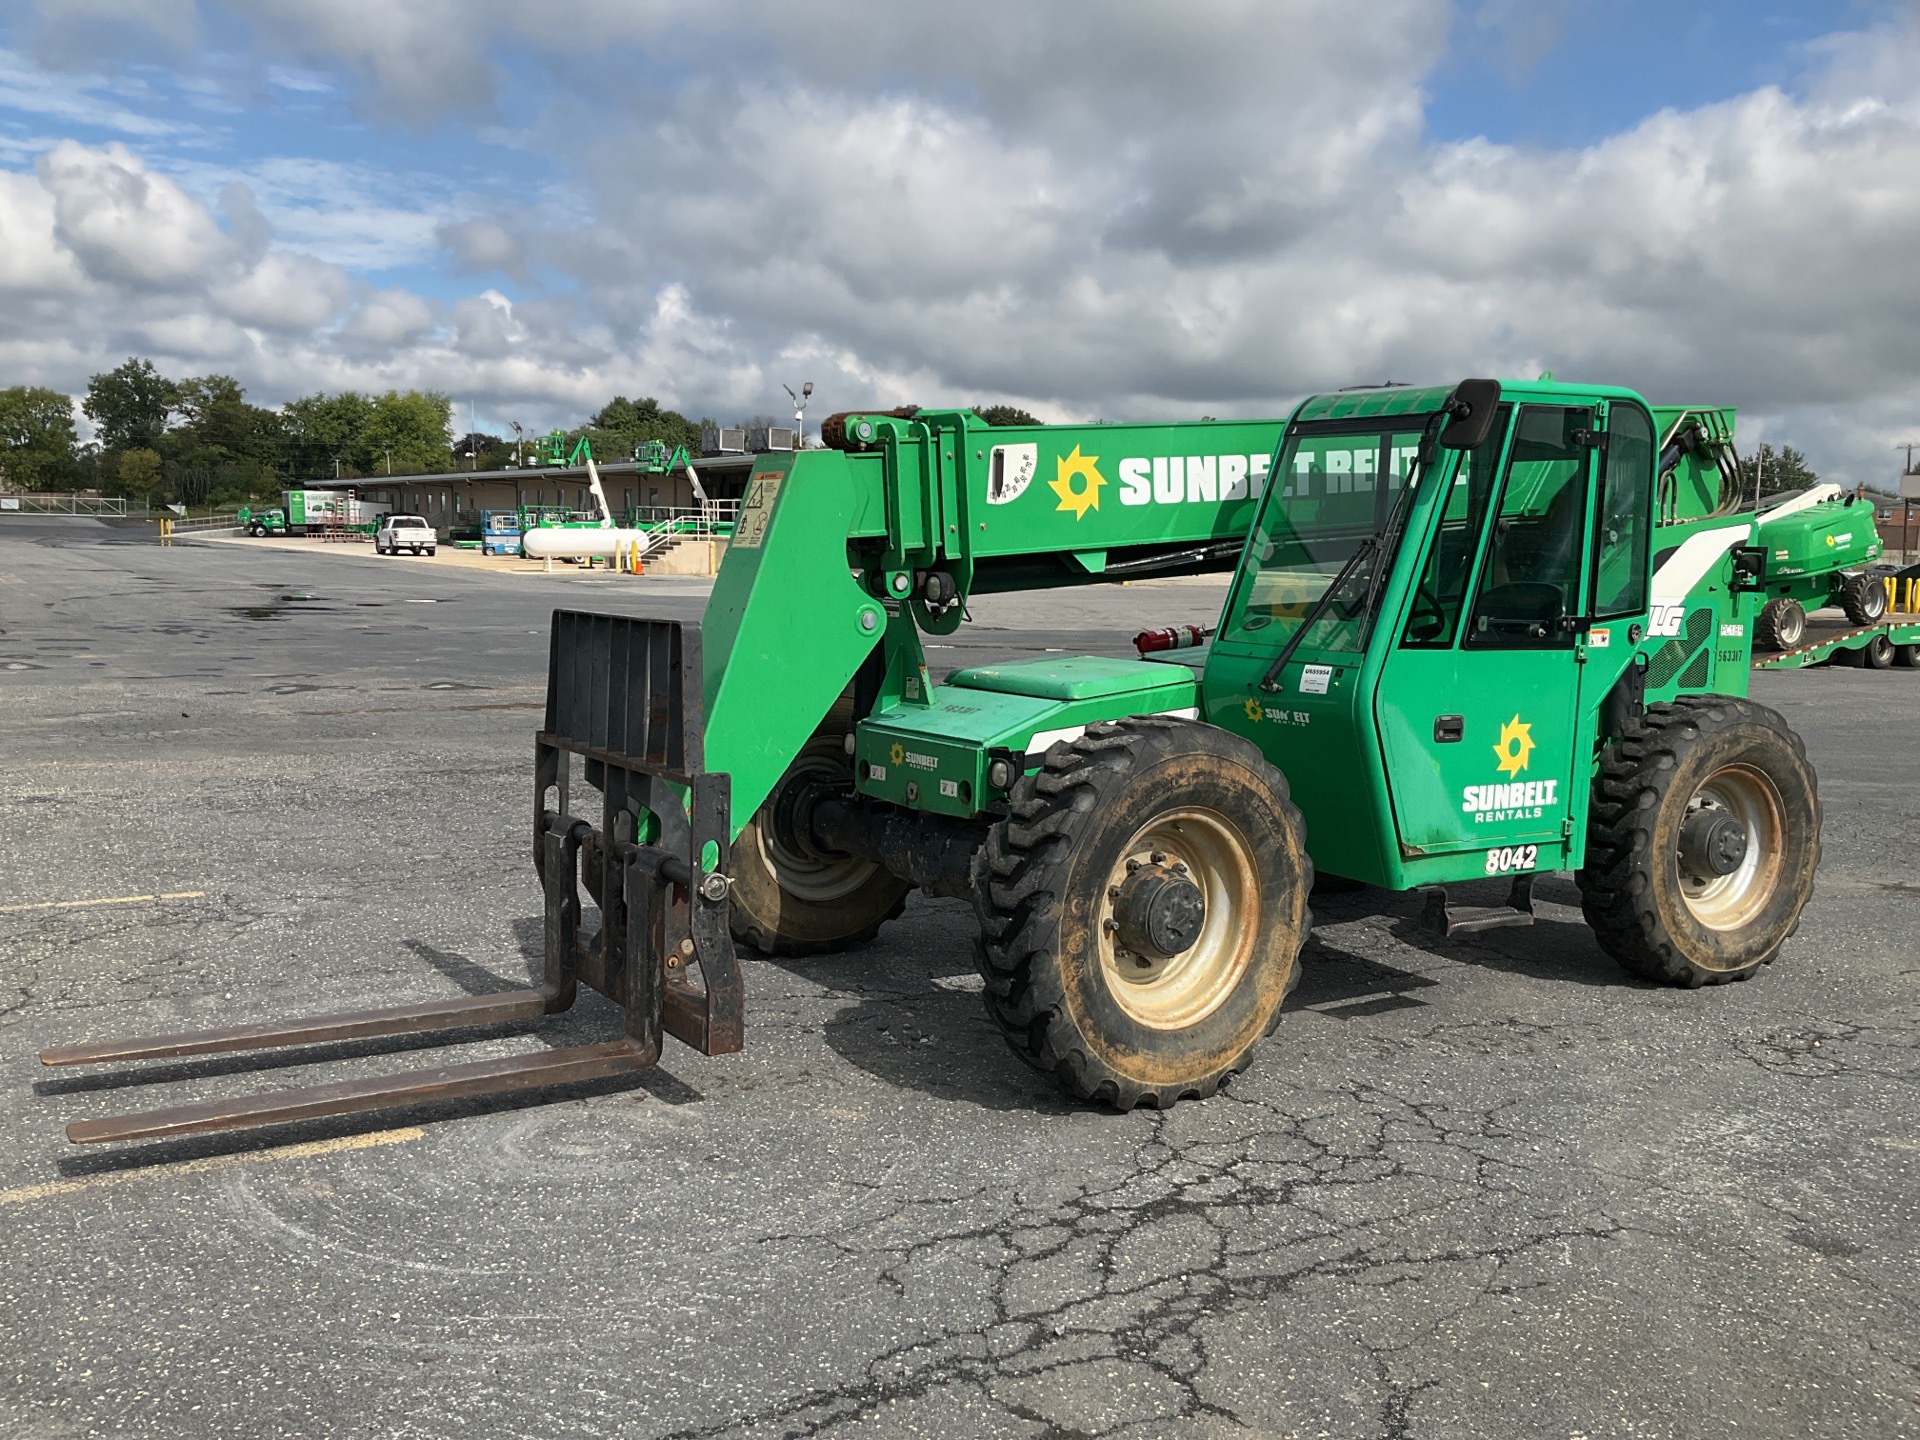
[1462, 641]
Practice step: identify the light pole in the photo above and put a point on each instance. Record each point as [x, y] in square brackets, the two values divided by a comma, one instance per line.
[800, 412]
[518, 435]
[1909, 488]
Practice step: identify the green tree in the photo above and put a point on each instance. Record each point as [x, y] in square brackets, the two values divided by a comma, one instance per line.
[1777, 470]
[223, 449]
[478, 450]
[1004, 415]
[129, 405]
[622, 425]
[412, 427]
[216, 415]
[323, 429]
[36, 438]
[135, 473]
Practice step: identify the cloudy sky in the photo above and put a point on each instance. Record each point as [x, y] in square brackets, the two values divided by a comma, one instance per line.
[1096, 208]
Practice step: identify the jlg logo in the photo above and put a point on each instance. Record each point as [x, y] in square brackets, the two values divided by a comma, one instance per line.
[1666, 619]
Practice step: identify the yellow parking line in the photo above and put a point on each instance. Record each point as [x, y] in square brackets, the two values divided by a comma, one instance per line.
[115, 900]
[25, 1194]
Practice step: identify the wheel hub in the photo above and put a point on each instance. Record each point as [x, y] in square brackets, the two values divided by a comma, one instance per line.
[1713, 843]
[1159, 912]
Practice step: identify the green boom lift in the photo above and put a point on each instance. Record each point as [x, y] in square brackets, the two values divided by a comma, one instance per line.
[1478, 631]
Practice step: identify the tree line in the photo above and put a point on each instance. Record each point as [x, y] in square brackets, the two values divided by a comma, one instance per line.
[200, 441]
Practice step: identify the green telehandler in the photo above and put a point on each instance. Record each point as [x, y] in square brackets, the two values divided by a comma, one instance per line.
[1480, 631]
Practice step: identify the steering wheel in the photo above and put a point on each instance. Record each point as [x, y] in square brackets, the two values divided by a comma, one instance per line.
[1429, 617]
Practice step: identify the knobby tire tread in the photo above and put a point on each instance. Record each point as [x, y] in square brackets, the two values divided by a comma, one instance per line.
[1636, 771]
[1019, 875]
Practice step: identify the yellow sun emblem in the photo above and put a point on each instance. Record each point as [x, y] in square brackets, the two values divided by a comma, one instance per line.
[1516, 746]
[898, 755]
[1085, 496]
[1255, 710]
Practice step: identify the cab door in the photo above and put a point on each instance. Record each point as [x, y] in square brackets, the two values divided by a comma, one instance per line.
[1478, 703]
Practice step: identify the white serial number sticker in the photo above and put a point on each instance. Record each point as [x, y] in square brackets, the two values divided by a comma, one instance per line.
[1512, 858]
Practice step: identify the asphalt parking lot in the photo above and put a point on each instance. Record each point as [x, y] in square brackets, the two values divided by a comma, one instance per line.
[1480, 1188]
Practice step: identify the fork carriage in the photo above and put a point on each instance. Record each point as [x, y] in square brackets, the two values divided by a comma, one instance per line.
[623, 695]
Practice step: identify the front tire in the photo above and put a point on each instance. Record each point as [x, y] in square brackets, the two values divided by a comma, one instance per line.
[1142, 910]
[1668, 892]
[1864, 598]
[1780, 625]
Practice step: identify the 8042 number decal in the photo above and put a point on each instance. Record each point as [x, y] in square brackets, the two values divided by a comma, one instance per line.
[1512, 858]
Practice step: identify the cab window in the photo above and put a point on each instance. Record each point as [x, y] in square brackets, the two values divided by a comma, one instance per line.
[1442, 591]
[1530, 578]
[1621, 543]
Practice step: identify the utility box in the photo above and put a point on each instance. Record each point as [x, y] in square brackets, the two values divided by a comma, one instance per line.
[1910, 487]
[724, 439]
[772, 437]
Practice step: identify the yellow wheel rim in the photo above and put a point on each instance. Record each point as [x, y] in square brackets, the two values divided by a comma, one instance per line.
[1175, 992]
[1729, 902]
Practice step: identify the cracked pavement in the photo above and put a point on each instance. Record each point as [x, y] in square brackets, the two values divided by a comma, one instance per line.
[1491, 1187]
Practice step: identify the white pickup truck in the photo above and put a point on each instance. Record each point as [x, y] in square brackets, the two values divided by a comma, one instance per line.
[404, 532]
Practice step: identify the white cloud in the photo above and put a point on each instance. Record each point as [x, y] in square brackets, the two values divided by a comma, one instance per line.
[72, 99]
[1115, 209]
[285, 291]
[387, 320]
[125, 224]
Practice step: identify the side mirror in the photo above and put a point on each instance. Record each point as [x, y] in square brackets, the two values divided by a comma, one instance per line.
[1470, 411]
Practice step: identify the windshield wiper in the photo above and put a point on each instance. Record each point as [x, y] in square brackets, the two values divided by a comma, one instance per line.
[1270, 681]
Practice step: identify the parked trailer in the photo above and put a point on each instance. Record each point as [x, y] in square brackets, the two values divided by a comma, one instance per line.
[1894, 640]
[1891, 639]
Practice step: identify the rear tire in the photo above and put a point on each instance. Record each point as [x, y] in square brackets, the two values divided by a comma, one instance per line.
[1907, 657]
[787, 901]
[1877, 654]
[1073, 886]
[1780, 625]
[1667, 918]
[1864, 598]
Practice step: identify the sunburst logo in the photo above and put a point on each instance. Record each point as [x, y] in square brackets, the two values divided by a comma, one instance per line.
[1516, 746]
[1256, 712]
[898, 755]
[1084, 496]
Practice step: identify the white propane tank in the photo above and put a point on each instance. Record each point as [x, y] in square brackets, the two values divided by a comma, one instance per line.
[552, 542]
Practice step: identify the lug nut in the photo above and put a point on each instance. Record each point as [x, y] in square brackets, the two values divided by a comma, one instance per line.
[1132, 865]
[1159, 857]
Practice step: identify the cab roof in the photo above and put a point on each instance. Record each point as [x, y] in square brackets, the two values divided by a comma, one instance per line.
[1425, 399]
